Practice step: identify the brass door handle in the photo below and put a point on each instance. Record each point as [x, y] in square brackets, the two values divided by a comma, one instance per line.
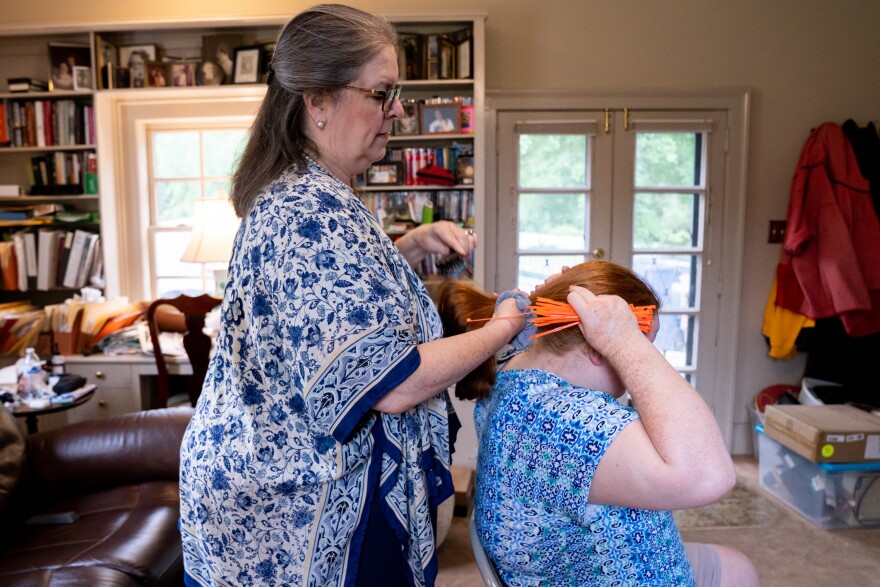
[99, 374]
[598, 253]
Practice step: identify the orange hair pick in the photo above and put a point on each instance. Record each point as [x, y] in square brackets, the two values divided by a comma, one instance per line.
[546, 312]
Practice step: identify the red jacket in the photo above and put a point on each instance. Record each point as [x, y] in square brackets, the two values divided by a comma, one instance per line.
[830, 264]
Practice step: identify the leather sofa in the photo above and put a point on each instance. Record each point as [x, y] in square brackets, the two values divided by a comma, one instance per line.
[93, 503]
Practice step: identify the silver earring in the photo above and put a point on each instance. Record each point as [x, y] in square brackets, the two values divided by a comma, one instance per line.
[321, 124]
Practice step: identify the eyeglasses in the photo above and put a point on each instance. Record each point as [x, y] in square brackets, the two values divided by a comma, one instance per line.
[387, 96]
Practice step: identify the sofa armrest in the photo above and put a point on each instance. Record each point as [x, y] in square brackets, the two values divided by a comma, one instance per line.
[129, 448]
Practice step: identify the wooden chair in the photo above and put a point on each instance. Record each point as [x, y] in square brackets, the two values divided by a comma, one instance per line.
[190, 321]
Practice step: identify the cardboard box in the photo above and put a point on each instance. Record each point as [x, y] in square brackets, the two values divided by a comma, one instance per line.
[825, 434]
[830, 495]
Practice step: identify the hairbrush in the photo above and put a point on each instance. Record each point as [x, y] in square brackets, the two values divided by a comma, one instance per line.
[453, 266]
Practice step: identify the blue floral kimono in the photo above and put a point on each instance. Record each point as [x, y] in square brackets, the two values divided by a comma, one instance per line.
[321, 318]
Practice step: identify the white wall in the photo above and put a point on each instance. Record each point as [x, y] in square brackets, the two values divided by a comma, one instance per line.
[806, 62]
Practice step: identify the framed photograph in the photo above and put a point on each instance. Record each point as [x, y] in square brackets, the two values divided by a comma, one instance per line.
[432, 57]
[411, 56]
[384, 174]
[439, 118]
[221, 50]
[183, 74]
[466, 116]
[135, 58]
[208, 73]
[122, 77]
[464, 169]
[408, 124]
[106, 60]
[447, 58]
[248, 65]
[63, 57]
[82, 77]
[157, 75]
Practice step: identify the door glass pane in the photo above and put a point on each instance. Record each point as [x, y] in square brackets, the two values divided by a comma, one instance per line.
[674, 278]
[552, 222]
[552, 161]
[176, 154]
[534, 269]
[675, 339]
[175, 201]
[222, 151]
[665, 220]
[668, 159]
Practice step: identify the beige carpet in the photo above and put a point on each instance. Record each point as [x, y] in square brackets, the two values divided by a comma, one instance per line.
[787, 550]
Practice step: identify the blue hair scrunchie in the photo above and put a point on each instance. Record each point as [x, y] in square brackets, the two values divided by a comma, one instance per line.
[523, 339]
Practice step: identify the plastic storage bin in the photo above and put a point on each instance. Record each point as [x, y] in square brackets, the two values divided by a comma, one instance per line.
[830, 495]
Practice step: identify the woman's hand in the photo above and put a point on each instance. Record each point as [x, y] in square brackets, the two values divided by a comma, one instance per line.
[442, 237]
[607, 322]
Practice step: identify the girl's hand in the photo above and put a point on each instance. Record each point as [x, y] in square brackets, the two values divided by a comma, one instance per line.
[606, 321]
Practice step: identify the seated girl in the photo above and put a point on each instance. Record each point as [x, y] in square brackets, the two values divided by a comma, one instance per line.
[573, 487]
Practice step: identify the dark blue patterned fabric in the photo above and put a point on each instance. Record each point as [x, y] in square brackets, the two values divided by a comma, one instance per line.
[321, 317]
[541, 440]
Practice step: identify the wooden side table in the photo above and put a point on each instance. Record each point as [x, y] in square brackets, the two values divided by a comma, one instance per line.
[80, 396]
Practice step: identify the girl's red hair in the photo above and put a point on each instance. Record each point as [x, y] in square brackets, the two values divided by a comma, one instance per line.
[457, 301]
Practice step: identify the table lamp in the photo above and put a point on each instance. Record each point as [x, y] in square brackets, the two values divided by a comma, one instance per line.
[212, 236]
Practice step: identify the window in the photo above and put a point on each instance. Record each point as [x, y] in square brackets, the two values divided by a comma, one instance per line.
[159, 155]
[185, 163]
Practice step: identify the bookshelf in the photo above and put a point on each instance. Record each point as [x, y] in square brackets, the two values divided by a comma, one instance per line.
[47, 149]
[434, 167]
[23, 53]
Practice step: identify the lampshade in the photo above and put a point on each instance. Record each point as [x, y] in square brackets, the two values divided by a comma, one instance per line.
[213, 232]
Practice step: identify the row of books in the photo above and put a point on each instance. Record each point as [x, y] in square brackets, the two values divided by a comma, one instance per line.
[46, 259]
[391, 207]
[26, 84]
[46, 123]
[412, 159]
[63, 172]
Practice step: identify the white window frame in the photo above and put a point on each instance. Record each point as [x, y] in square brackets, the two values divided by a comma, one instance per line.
[122, 118]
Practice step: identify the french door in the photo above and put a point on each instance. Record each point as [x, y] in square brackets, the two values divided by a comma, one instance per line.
[640, 188]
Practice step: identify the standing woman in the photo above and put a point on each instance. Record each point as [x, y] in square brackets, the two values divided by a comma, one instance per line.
[320, 446]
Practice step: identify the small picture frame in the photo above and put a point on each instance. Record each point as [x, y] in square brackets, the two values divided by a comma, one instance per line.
[248, 64]
[121, 77]
[411, 55]
[135, 58]
[408, 124]
[221, 50]
[157, 75]
[447, 58]
[380, 174]
[466, 116]
[63, 57]
[82, 77]
[106, 60]
[464, 169]
[183, 74]
[209, 73]
[440, 119]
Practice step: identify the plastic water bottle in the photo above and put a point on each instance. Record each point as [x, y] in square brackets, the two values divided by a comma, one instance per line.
[30, 378]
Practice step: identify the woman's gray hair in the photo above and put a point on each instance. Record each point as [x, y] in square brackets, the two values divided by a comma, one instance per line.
[321, 49]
